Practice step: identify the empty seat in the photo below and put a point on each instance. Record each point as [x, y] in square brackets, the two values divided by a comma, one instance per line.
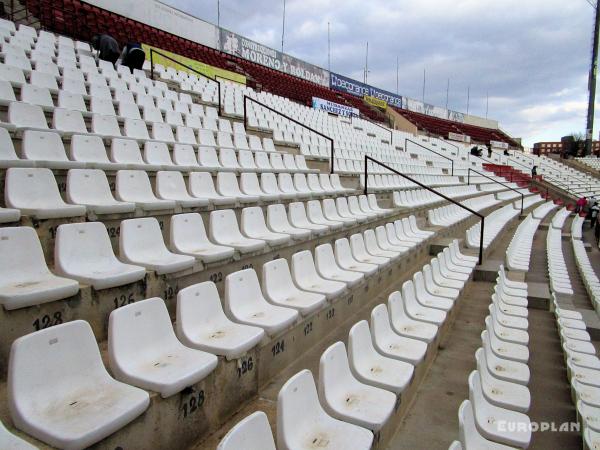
[10, 441]
[24, 276]
[404, 325]
[83, 404]
[302, 422]
[227, 185]
[188, 237]
[370, 407]
[327, 267]
[134, 186]
[249, 185]
[254, 226]
[170, 185]
[46, 149]
[277, 221]
[106, 125]
[469, 435]
[201, 186]
[279, 289]
[306, 276]
[90, 150]
[68, 121]
[89, 187]
[245, 303]
[345, 259]
[83, 251]
[250, 433]
[144, 351]
[35, 193]
[224, 230]
[298, 219]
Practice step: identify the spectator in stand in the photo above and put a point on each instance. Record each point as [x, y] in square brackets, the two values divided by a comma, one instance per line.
[132, 56]
[489, 150]
[506, 152]
[593, 213]
[580, 205]
[533, 171]
[107, 46]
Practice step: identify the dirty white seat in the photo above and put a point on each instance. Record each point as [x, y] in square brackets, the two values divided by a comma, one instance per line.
[202, 324]
[298, 219]
[83, 251]
[34, 191]
[268, 183]
[404, 325]
[417, 311]
[504, 394]
[433, 288]
[224, 230]
[509, 310]
[9, 215]
[331, 213]
[89, 187]
[506, 333]
[342, 207]
[279, 289]
[25, 115]
[590, 415]
[254, 226]
[507, 350]
[251, 433]
[202, 186]
[427, 299]
[502, 368]
[345, 259]
[505, 320]
[488, 418]
[170, 185]
[24, 276]
[360, 253]
[442, 279]
[141, 243]
[314, 213]
[134, 186]
[244, 302]
[277, 220]
[82, 403]
[9, 441]
[370, 367]
[143, 350]
[346, 398]
[469, 435]
[188, 237]
[327, 267]
[374, 249]
[392, 345]
[302, 422]
[227, 186]
[307, 278]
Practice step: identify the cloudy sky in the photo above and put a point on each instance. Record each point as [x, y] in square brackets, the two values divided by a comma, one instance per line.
[531, 56]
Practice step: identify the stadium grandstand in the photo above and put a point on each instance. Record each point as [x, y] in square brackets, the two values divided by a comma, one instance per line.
[215, 251]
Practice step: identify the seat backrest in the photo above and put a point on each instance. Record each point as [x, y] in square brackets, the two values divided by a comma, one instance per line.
[7, 149]
[187, 228]
[162, 132]
[136, 129]
[21, 255]
[68, 121]
[201, 184]
[251, 433]
[88, 148]
[82, 244]
[224, 225]
[143, 237]
[134, 184]
[303, 266]
[206, 137]
[125, 151]
[26, 115]
[184, 155]
[43, 145]
[105, 125]
[277, 278]
[129, 110]
[157, 153]
[170, 184]
[71, 101]
[88, 186]
[199, 308]
[103, 106]
[242, 291]
[228, 159]
[74, 85]
[334, 370]
[227, 184]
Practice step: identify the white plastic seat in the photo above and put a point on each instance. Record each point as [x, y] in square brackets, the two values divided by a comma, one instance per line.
[10, 441]
[331, 213]
[134, 186]
[141, 243]
[327, 267]
[360, 253]
[144, 351]
[184, 157]
[298, 219]
[314, 213]
[136, 129]
[249, 185]
[277, 221]
[254, 226]
[35, 193]
[104, 125]
[502, 368]
[89, 187]
[345, 259]
[9, 215]
[245, 303]
[24, 276]
[372, 368]
[67, 121]
[201, 186]
[202, 324]
[208, 160]
[170, 185]
[90, 150]
[162, 132]
[302, 422]
[251, 433]
[157, 154]
[404, 325]
[427, 299]
[506, 333]
[370, 407]
[227, 185]
[224, 230]
[507, 350]
[83, 404]
[307, 278]
[268, 183]
[392, 345]
[279, 289]
[488, 418]
[286, 185]
[417, 311]
[469, 435]
[372, 246]
[35, 95]
[46, 149]
[83, 252]
[188, 237]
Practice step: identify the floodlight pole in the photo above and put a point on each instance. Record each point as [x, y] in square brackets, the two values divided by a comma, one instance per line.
[592, 84]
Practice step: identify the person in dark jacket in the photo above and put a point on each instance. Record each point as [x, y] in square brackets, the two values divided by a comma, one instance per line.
[533, 171]
[489, 150]
[107, 46]
[132, 56]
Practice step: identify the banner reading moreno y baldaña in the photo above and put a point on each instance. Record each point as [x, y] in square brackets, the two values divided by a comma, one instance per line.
[459, 137]
[353, 87]
[237, 45]
[498, 144]
[335, 108]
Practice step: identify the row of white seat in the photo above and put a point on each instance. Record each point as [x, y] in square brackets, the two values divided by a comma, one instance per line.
[588, 274]
[422, 197]
[558, 221]
[450, 214]
[494, 416]
[494, 224]
[394, 343]
[577, 226]
[35, 192]
[560, 282]
[583, 371]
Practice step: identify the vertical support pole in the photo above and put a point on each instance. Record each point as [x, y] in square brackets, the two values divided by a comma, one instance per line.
[592, 84]
[481, 241]
[245, 112]
[332, 156]
[151, 64]
[366, 182]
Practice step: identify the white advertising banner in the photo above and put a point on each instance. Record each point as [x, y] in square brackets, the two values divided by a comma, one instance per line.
[498, 144]
[163, 17]
[334, 108]
[459, 137]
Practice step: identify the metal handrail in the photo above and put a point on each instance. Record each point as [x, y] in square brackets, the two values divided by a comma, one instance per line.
[495, 181]
[432, 151]
[246, 98]
[152, 51]
[446, 142]
[481, 216]
[352, 116]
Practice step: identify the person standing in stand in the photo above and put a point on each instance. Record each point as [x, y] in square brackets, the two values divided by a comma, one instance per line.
[580, 205]
[107, 46]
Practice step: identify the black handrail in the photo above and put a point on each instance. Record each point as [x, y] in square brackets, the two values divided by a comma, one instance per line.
[246, 98]
[352, 116]
[432, 151]
[520, 164]
[368, 158]
[562, 185]
[152, 51]
[495, 181]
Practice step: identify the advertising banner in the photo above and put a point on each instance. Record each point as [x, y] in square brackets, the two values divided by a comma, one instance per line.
[459, 137]
[456, 116]
[237, 45]
[206, 69]
[358, 89]
[334, 108]
[498, 144]
[415, 106]
[374, 101]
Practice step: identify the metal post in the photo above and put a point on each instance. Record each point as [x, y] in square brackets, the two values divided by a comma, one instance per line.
[328, 48]
[447, 92]
[423, 85]
[469, 176]
[481, 241]
[151, 64]
[468, 98]
[367, 63]
[592, 84]
[366, 182]
[283, 27]
[397, 75]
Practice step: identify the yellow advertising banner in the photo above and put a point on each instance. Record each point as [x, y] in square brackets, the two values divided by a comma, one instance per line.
[208, 70]
[375, 101]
